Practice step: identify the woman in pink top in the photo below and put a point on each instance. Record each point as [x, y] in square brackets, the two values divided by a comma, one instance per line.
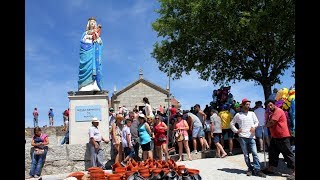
[182, 126]
[39, 142]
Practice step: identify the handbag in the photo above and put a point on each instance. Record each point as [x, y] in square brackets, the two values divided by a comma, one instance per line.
[179, 136]
[161, 139]
[38, 151]
[206, 126]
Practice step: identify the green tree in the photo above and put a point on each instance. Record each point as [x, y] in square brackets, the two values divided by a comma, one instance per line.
[226, 40]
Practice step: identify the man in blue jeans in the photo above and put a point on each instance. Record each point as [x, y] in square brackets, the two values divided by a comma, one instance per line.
[247, 121]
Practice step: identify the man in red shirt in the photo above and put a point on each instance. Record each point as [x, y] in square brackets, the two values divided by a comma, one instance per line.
[280, 138]
[173, 111]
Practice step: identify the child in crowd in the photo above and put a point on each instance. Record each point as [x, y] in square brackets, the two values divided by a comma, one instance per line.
[126, 142]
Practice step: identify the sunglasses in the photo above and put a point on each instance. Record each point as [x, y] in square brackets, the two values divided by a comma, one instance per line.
[156, 118]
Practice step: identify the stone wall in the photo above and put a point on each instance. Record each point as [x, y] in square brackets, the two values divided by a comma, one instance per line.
[61, 158]
[134, 95]
[65, 158]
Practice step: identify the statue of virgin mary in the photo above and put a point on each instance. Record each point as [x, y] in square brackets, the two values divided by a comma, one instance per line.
[90, 76]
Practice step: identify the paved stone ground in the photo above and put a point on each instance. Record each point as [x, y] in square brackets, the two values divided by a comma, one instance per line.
[229, 168]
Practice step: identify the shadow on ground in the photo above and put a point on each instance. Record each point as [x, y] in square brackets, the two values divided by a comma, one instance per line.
[281, 169]
[234, 171]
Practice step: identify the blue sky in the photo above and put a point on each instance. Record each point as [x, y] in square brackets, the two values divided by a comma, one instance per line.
[52, 33]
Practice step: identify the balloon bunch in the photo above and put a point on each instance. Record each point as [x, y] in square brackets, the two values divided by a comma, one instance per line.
[285, 95]
[221, 96]
[285, 98]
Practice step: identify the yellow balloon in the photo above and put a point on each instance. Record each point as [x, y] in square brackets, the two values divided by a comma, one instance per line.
[286, 104]
[284, 97]
[291, 97]
[285, 92]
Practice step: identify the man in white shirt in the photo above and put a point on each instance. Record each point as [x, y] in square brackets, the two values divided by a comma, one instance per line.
[95, 138]
[247, 121]
[261, 130]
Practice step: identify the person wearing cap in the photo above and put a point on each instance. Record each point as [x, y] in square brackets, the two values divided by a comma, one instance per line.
[280, 139]
[226, 117]
[116, 132]
[181, 126]
[145, 137]
[51, 115]
[261, 130]
[247, 121]
[111, 117]
[95, 138]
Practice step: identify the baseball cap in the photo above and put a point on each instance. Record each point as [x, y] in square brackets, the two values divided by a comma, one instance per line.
[142, 116]
[225, 106]
[111, 109]
[244, 100]
[94, 119]
[236, 105]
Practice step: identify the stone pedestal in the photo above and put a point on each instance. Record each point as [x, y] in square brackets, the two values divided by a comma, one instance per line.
[84, 105]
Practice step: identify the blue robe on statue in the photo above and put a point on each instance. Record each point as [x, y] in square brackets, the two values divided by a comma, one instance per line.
[90, 63]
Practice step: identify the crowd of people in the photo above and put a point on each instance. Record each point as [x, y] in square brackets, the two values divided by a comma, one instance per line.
[210, 127]
[256, 129]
